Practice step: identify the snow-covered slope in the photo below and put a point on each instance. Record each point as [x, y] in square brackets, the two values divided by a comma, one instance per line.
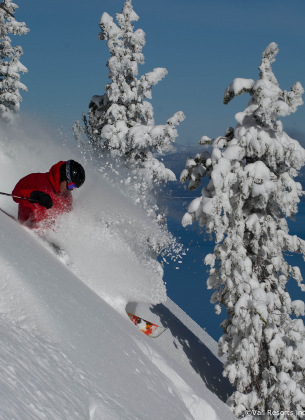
[68, 349]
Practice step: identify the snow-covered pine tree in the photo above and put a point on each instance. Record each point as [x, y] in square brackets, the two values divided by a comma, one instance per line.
[250, 194]
[10, 66]
[120, 122]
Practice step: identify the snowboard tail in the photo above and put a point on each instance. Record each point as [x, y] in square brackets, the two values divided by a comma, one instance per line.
[148, 328]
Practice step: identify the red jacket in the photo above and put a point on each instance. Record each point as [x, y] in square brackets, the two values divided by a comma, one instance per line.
[31, 213]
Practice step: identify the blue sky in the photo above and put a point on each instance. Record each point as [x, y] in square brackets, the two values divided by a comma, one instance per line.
[204, 45]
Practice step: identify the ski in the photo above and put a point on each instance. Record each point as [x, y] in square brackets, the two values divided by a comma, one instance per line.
[148, 328]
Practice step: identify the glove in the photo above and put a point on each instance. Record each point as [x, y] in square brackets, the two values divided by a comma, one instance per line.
[42, 198]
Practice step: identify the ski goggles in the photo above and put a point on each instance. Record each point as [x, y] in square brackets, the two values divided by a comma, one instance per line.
[70, 184]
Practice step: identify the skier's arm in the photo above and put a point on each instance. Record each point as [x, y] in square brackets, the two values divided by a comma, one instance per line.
[27, 185]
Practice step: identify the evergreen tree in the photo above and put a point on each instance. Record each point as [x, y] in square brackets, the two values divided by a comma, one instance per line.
[120, 123]
[10, 66]
[250, 194]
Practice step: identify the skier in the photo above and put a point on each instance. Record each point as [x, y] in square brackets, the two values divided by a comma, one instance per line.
[48, 194]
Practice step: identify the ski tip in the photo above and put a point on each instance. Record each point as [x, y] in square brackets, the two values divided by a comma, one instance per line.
[148, 328]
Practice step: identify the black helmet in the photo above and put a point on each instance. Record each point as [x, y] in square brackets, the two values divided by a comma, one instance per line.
[75, 173]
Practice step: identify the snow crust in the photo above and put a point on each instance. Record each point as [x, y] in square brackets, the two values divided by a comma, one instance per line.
[65, 352]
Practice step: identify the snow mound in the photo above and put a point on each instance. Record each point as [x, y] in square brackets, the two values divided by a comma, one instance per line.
[67, 354]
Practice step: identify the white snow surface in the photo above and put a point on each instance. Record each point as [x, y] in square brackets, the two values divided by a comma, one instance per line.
[68, 349]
